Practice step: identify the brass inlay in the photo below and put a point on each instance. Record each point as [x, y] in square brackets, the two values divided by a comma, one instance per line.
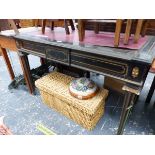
[135, 72]
[110, 75]
[122, 65]
[33, 52]
[102, 68]
[34, 46]
[132, 90]
[65, 54]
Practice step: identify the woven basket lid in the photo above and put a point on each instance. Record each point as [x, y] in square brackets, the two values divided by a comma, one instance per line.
[83, 88]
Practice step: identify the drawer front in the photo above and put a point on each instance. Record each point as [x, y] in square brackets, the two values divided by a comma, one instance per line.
[58, 54]
[32, 48]
[128, 70]
[99, 64]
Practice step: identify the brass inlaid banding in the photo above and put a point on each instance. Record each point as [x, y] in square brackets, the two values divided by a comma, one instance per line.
[121, 65]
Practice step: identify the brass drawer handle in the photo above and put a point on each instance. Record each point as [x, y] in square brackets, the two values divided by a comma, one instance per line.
[135, 72]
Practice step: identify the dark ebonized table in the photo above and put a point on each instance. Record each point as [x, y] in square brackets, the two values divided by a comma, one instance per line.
[130, 66]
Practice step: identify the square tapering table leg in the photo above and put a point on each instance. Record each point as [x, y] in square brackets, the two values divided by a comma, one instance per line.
[7, 61]
[129, 100]
[26, 71]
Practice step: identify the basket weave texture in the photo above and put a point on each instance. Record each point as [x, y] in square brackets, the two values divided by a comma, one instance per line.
[54, 90]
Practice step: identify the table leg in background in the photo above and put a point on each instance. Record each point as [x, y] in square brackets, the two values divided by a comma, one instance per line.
[117, 32]
[7, 61]
[151, 91]
[42, 61]
[127, 31]
[138, 30]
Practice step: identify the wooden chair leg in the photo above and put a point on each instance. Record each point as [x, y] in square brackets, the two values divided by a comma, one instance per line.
[36, 22]
[96, 28]
[43, 26]
[13, 25]
[66, 27]
[144, 28]
[7, 61]
[52, 25]
[42, 61]
[127, 31]
[71, 24]
[81, 29]
[138, 30]
[117, 32]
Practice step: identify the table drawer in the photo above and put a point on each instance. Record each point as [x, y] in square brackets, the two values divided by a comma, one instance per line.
[33, 47]
[131, 71]
[100, 64]
[58, 54]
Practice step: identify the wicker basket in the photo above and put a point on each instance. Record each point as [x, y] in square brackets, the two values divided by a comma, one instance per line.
[54, 89]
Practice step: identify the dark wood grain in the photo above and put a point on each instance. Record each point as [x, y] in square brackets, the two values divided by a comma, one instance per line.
[43, 25]
[66, 26]
[145, 26]
[71, 24]
[96, 28]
